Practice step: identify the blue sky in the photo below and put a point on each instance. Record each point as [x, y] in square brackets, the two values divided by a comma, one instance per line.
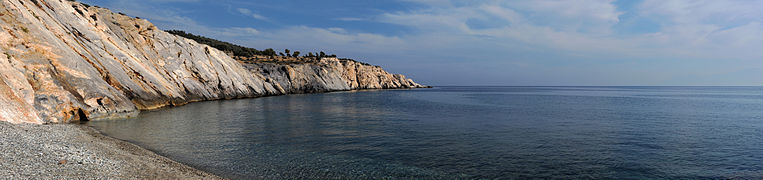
[469, 42]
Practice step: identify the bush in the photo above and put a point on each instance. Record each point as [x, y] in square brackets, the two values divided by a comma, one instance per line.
[224, 46]
[242, 51]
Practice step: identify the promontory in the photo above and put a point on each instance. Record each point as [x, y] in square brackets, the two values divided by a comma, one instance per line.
[65, 61]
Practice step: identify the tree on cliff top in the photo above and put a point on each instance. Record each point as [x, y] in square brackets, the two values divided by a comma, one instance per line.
[269, 52]
[242, 51]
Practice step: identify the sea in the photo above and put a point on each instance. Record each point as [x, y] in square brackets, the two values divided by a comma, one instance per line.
[465, 132]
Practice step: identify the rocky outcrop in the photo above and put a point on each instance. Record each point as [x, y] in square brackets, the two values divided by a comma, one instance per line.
[328, 74]
[64, 61]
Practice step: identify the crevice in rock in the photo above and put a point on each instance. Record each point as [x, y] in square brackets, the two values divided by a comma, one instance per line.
[82, 115]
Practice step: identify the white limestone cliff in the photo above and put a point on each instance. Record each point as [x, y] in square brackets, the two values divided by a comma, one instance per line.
[64, 61]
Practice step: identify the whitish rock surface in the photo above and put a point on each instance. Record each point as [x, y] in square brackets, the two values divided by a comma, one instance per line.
[63, 61]
[329, 74]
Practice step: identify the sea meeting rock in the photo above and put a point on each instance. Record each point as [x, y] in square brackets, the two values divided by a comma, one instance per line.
[65, 61]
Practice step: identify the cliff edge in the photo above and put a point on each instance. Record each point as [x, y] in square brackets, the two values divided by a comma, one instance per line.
[328, 74]
[65, 61]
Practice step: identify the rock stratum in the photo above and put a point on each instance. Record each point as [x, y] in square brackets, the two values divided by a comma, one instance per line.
[64, 61]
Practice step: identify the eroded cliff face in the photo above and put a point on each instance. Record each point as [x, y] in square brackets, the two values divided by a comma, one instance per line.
[63, 61]
[329, 74]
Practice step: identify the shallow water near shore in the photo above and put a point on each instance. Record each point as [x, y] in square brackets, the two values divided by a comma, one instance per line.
[465, 132]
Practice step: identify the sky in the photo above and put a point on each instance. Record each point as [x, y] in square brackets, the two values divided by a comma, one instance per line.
[488, 42]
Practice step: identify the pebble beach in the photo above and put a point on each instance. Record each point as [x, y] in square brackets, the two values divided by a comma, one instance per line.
[73, 151]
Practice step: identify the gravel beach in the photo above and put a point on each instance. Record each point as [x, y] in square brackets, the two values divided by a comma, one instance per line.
[71, 151]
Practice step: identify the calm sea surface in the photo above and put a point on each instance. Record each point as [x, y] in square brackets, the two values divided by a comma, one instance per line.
[466, 132]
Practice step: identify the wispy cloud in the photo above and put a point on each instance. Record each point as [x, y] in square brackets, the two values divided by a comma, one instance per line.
[248, 12]
[349, 19]
[164, 17]
[239, 32]
[524, 42]
[244, 11]
[260, 17]
[691, 29]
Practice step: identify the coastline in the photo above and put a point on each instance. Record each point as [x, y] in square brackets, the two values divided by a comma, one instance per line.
[72, 150]
[81, 152]
[116, 66]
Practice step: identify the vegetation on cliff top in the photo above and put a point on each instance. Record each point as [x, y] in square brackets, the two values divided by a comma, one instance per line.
[250, 54]
[225, 46]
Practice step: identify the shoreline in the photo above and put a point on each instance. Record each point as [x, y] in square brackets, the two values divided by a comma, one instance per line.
[82, 152]
[62, 150]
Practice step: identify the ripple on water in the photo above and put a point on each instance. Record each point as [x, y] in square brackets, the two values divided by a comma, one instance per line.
[466, 132]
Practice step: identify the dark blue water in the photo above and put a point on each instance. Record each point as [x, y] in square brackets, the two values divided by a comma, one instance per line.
[466, 132]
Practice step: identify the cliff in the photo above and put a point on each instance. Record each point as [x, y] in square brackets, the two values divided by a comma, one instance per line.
[328, 74]
[64, 61]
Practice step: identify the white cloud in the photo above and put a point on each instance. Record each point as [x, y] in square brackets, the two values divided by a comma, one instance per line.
[531, 34]
[260, 17]
[248, 12]
[349, 19]
[244, 11]
[690, 29]
[239, 32]
[703, 11]
[166, 18]
[601, 11]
